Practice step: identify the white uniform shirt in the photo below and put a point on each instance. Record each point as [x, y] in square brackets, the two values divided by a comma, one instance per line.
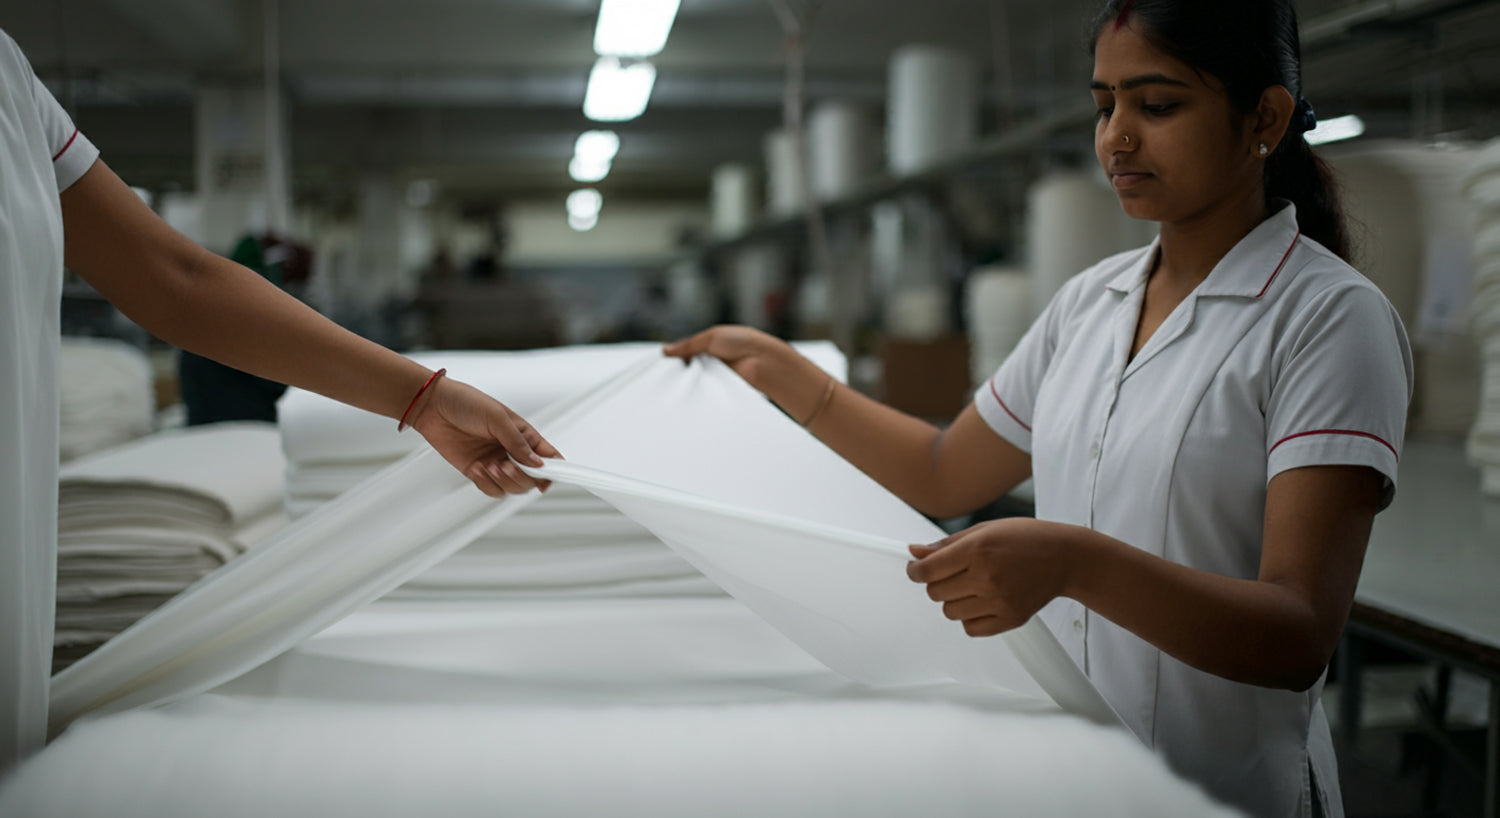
[41, 153]
[1283, 357]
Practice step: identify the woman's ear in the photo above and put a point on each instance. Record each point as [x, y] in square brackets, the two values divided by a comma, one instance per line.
[1273, 115]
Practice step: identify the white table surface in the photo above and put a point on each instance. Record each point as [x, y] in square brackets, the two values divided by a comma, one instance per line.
[1434, 554]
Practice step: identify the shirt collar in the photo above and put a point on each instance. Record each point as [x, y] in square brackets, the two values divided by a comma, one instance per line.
[1247, 270]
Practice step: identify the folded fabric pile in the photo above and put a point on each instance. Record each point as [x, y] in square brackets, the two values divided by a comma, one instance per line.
[104, 395]
[1482, 187]
[568, 543]
[140, 522]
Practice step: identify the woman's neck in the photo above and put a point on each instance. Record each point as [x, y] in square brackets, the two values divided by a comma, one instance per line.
[1192, 247]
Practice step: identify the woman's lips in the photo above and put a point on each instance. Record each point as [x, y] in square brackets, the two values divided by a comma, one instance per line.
[1127, 180]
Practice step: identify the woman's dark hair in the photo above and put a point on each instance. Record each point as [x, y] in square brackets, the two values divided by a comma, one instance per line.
[1249, 46]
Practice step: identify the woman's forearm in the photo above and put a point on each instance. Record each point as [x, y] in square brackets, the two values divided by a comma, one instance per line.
[205, 303]
[220, 310]
[1249, 631]
[939, 472]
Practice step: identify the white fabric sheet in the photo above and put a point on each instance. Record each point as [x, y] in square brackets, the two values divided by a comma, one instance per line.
[624, 707]
[105, 395]
[664, 425]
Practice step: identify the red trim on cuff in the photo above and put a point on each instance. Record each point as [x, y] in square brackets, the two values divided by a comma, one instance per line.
[67, 145]
[1013, 417]
[1277, 271]
[1376, 438]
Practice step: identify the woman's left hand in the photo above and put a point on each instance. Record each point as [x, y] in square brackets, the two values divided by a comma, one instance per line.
[995, 576]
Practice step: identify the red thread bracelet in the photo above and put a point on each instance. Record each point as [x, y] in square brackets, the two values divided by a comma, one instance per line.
[401, 425]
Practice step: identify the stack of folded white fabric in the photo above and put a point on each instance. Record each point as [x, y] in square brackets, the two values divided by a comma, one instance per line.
[1482, 186]
[104, 395]
[140, 522]
[568, 543]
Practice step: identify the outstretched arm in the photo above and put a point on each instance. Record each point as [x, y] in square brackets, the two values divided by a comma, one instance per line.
[205, 303]
[1277, 630]
[943, 473]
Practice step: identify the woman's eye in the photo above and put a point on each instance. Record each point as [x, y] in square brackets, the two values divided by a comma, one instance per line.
[1104, 112]
[1159, 110]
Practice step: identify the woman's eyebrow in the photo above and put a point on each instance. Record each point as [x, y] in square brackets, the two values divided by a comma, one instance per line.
[1137, 82]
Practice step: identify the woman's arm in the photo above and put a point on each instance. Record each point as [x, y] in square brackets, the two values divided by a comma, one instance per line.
[943, 473]
[205, 303]
[1278, 630]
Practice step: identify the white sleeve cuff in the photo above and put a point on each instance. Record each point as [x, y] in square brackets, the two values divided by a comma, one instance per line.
[75, 158]
[1336, 448]
[1000, 418]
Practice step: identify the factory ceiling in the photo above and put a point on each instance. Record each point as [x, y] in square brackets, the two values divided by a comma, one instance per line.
[485, 95]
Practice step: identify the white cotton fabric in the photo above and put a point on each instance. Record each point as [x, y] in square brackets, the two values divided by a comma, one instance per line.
[139, 523]
[660, 423]
[1283, 357]
[570, 541]
[659, 707]
[41, 154]
[105, 395]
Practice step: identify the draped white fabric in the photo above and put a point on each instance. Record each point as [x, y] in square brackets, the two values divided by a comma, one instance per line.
[691, 452]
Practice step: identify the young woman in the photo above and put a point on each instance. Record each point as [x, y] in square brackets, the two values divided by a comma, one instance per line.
[57, 199]
[1212, 421]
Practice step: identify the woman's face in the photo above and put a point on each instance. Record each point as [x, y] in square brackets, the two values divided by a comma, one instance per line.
[1168, 139]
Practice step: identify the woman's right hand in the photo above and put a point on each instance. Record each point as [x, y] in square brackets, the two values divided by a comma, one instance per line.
[766, 362]
[754, 355]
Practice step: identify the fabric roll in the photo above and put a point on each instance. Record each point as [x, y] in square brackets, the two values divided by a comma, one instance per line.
[997, 306]
[932, 109]
[1072, 221]
[733, 199]
[839, 140]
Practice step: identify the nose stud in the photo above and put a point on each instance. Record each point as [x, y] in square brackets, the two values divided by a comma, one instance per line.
[1125, 138]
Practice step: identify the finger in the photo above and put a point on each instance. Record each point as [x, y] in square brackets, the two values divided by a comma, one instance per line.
[483, 481]
[946, 560]
[970, 608]
[507, 430]
[986, 626]
[954, 587]
[511, 478]
[690, 346]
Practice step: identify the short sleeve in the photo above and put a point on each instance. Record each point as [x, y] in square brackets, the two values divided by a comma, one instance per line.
[1340, 398]
[1007, 400]
[72, 153]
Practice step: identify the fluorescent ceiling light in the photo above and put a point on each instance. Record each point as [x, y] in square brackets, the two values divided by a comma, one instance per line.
[618, 92]
[585, 203]
[587, 171]
[633, 28]
[1343, 127]
[597, 146]
[583, 224]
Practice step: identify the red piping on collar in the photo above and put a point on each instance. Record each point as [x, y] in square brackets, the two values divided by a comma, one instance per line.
[1284, 257]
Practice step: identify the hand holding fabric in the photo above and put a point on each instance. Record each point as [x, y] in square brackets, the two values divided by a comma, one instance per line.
[752, 354]
[995, 576]
[481, 437]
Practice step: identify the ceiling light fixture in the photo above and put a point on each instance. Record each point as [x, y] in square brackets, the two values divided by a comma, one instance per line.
[597, 146]
[1333, 130]
[585, 202]
[583, 224]
[616, 91]
[633, 28]
[587, 171]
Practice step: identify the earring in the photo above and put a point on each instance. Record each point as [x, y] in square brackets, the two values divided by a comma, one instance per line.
[1263, 149]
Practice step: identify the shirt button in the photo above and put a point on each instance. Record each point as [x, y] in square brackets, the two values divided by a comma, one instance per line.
[1094, 451]
[1078, 626]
